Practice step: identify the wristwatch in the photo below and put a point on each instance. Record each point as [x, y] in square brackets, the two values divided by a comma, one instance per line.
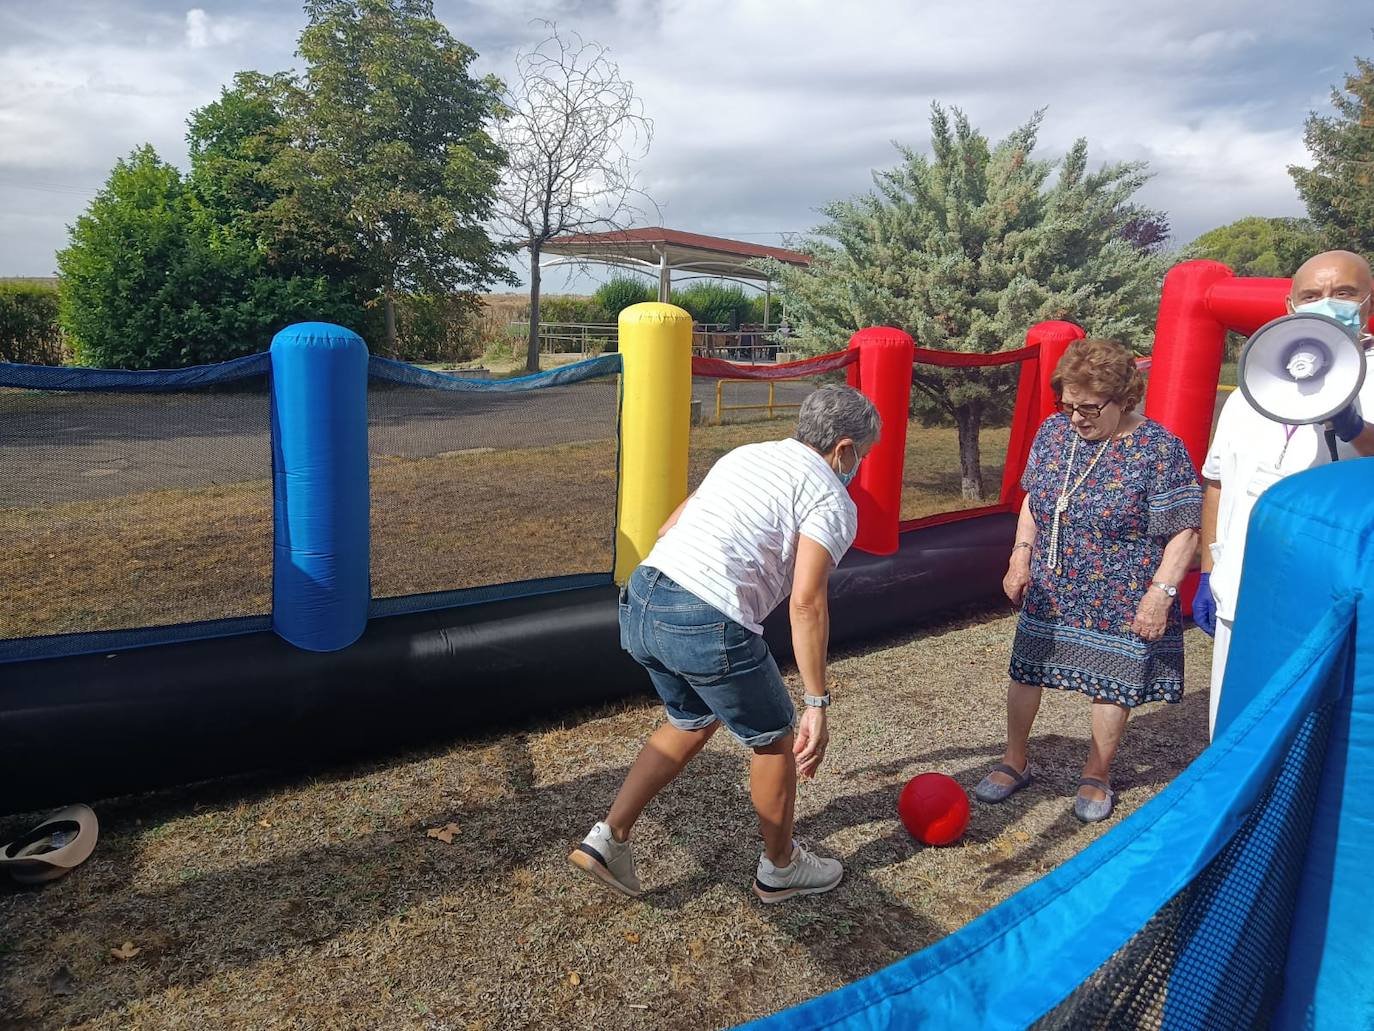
[817, 701]
[1170, 589]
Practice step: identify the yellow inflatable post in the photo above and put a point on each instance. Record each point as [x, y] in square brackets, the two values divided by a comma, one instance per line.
[655, 419]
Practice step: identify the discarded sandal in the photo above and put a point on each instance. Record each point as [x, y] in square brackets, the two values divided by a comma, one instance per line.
[54, 848]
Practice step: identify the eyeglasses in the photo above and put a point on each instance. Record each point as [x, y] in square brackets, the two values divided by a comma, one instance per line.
[1087, 411]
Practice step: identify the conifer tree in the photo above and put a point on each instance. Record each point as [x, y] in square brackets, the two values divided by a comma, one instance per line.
[965, 249]
[1339, 189]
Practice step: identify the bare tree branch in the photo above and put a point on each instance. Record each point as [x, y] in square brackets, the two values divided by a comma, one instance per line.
[572, 132]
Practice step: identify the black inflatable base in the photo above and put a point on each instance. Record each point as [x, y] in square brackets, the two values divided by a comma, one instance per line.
[87, 727]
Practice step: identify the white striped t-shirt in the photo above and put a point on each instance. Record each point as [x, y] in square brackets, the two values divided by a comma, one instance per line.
[735, 544]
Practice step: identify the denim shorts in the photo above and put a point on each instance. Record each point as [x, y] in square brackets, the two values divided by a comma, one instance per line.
[703, 664]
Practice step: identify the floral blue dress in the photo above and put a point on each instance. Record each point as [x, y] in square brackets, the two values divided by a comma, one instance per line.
[1075, 626]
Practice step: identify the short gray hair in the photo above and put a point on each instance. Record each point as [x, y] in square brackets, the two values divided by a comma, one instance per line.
[834, 412]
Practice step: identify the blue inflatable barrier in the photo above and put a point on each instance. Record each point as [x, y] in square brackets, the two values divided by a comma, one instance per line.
[1236, 897]
[1311, 540]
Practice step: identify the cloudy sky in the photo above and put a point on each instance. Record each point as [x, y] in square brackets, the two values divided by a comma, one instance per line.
[763, 111]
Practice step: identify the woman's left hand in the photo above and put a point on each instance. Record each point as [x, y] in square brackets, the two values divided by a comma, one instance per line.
[1152, 615]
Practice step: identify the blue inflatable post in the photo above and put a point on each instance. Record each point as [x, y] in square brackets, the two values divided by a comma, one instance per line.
[320, 580]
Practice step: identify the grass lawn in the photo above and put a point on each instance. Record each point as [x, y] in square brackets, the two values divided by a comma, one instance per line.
[327, 904]
[450, 521]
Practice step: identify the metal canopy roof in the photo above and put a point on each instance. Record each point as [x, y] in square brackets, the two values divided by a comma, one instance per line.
[665, 251]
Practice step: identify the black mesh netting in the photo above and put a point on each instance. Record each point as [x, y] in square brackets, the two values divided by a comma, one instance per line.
[728, 413]
[123, 510]
[1213, 957]
[477, 488]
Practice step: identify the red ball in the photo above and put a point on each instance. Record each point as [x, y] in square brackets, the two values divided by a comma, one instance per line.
[933, 808]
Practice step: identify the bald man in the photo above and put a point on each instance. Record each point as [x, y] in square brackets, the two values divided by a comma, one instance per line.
[1250, 452]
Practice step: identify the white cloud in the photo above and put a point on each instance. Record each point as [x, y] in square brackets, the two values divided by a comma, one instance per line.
[89, 105]
[202, 31]
[762, 113]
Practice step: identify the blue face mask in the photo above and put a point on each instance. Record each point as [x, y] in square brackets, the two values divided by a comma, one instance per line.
[848, 478]
[1347, 313]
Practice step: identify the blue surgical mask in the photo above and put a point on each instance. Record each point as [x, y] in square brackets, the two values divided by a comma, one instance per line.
[848, 478]
[1347, 313]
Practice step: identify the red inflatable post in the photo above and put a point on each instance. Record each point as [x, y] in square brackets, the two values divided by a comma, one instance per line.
[1034, 401]
[883, 373]
[1054, 339]
[1190, 341]
[1186, 361]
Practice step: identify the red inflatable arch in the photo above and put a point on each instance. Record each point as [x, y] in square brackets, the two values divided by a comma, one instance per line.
[883, 372]
[1201, 301]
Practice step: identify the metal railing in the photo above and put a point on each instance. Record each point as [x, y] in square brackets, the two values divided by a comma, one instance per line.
[722, 407]
[751, 344]
[568, 337]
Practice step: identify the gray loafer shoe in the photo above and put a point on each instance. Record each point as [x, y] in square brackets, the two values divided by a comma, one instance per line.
[1094, 810]
[989, 790]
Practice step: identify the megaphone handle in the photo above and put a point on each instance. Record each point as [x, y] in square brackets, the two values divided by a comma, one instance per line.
[1331, 445]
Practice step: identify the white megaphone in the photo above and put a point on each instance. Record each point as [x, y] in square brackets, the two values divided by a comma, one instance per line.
[1301, 369]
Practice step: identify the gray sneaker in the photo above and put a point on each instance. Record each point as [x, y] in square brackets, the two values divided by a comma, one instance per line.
[807, 874]
[608, 860]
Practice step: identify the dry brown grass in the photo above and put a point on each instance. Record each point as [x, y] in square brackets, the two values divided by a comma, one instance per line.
[440, 523]
[466, 520]
[128, 561]
[493, 325]
[324, 904]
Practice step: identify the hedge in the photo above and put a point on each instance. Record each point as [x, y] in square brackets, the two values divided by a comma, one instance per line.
[29, 330]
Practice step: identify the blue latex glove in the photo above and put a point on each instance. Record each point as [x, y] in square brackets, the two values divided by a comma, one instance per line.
[1204, 607]
[1347, 424]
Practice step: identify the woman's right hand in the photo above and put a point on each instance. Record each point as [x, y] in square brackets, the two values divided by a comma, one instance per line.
[1016, 581]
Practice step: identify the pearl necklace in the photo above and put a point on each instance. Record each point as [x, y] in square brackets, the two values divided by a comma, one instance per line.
[1061, 503]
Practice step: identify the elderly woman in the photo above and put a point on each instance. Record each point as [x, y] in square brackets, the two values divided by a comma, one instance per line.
[1108, 529]
[769, 519]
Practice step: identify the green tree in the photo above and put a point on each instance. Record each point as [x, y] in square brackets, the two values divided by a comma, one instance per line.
[133, 271]
[386, 159]
[715, 304]
[232, 142]
[1339, 189]
[236, 146]
[965, 249]
[150, 279]
[1257, 246]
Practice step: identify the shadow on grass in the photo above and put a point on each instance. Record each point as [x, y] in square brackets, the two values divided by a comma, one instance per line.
[238, 917]
[1058, 760]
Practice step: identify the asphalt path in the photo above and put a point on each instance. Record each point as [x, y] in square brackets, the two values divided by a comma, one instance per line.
[60, 448]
